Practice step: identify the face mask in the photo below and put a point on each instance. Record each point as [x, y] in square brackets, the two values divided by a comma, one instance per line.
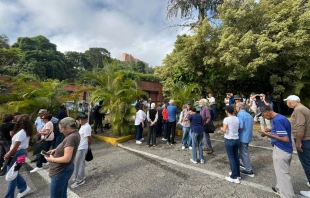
[200, 105]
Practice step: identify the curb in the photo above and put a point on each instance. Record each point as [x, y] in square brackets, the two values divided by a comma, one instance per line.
[114, 141]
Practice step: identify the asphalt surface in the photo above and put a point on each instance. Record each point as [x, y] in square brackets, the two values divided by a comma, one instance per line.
[165, 171]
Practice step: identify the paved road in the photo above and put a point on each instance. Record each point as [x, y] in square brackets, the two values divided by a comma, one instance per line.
[165, 171]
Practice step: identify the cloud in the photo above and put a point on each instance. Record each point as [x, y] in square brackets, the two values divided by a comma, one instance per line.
[131, 26]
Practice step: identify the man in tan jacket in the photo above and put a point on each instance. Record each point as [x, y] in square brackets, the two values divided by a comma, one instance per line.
[300, 121]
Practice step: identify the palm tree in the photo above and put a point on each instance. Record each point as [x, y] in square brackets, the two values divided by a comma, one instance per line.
[186, 9]
[182, 92]
[119, 92]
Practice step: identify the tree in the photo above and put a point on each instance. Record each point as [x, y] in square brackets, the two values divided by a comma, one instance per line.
[96, 56]
[118, 92]
[187, 8]
[139, 67]
[78, 60]
[4, 41]
[40, 57]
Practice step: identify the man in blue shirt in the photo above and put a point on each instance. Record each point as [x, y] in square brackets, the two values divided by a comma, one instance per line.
[281, 140]
[245, 137]
[172, 116]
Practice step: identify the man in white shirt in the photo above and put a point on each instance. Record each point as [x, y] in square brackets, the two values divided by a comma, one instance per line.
[85, 143]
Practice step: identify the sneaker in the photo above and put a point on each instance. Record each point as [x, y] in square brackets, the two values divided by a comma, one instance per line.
[142, 139]
[202, 161]
[242, 167]
[308, 184]
[168, 143]
[250, 174]
[36, 169]
[195, 162]
[147, 145]
[164, 139]
[183, 147]
[20, 195]
[236, 181]
[74, 185]
[138, 142]
[46, 165]
[305, 193]
[237, 177]
[274, 190]
[154, 145]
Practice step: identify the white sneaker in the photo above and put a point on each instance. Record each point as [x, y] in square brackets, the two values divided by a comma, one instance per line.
[164, 139]
[236, 181]
[202, 161]
[20, 195]
[36, 169]
[138, 142]
[308, 184]
[193, 161]
[190, 148]
[305, 193]
[183, 147]
[230, 175]
[74, 185]
[141, 139]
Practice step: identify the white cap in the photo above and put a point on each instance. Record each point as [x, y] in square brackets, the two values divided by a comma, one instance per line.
[292, 97]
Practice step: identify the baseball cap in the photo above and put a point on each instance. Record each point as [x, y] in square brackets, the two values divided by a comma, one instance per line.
[42, 111]
[188, 102]
[292, 97]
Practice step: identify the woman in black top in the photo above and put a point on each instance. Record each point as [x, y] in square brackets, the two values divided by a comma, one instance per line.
[5, 137]
[152, 116]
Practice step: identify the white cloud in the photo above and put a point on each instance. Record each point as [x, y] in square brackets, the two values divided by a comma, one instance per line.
[130, 26]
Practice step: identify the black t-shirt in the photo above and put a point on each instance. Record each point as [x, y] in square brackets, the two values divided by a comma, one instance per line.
[260, 103]
[5, 131]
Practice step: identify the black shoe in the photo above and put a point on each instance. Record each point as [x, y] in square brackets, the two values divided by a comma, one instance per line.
[275, 191]
[250, 174]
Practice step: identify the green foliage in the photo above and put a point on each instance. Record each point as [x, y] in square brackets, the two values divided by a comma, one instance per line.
[259, 47]
[31, 95]
[39, 57]
[182, 92]
[96, 56]
[119, 92]
[139, 76]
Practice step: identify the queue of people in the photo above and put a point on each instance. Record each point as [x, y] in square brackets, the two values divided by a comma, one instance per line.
[66, 157]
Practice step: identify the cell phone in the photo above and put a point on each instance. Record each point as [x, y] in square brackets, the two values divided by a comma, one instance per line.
[44, 153]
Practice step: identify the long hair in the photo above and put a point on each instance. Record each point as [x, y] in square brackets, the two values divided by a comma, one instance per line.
[23, 122]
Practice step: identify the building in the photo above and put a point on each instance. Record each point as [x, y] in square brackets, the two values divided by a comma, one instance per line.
[130, 58]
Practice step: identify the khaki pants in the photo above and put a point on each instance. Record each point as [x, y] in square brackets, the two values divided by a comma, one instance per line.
[262, 121]
[281, 164]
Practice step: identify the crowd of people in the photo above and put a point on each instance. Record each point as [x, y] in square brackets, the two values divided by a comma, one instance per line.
[70, 139]
[241, 114]
[63, 142]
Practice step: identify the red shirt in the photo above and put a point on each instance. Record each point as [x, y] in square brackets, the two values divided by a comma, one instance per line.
[165, 114]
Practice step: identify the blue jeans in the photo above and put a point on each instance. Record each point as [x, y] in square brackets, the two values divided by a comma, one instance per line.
[197, 141]
[19, 181]
[213, 108]
[244, 155]
[207, 141]
[139, 132]
[186, 138]
[232, 147]
[59, 183]
[304, 157]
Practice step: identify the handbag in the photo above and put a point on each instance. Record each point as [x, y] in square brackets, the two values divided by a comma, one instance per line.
[40, 145]
[13, 172]
[209, 127]
[89, 156]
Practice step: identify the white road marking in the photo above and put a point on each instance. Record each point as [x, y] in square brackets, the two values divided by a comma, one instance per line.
[44, 174]
[251, 145]
[246, 183]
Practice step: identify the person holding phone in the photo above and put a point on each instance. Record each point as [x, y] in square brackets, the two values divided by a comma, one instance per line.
[61, 159]
[47, 135]
[20, 141]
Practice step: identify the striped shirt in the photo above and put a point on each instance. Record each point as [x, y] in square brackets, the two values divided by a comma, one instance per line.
[281, 127]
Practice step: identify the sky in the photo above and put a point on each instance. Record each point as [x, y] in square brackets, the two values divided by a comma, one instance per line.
[137, 27]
